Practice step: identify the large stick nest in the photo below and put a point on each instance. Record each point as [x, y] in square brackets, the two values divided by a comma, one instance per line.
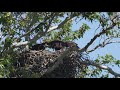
[45, 64]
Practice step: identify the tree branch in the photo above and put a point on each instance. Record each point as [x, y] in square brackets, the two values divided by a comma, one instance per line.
[62, 23]
[96, 36]
[102, 45]
[50, 21]
[40, 34]
[58, 61]
[99, 66]
[19, 44]
[28, 33]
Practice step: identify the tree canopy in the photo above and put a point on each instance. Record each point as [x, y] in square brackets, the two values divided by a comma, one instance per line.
[21, 29]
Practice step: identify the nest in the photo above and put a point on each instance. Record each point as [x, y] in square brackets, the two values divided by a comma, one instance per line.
[31, 64]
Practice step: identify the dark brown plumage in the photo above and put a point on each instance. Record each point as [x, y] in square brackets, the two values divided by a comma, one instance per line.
[56, 44]
[41, 46]
[71, 44]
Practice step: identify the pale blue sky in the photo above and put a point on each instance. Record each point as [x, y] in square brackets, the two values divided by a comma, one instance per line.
[112, 49]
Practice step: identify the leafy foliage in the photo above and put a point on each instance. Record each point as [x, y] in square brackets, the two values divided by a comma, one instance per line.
[33, 26]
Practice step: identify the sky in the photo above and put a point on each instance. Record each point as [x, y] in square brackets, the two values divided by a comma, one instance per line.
[112, 49]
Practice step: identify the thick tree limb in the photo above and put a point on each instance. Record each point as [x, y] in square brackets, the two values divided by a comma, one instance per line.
[100, 67]
[58, 61]
[96, 36]
[52, 28]
[19, 44]
[99, 34]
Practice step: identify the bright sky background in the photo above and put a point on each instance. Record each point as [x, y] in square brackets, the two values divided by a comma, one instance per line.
[112, 49]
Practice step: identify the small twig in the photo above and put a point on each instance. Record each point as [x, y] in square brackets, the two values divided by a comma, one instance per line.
[79, 20]
[103, 45]
[96, 29]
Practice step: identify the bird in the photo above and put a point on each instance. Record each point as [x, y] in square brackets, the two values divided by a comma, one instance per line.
[56, 44]
[41, 46]
[71, 44]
